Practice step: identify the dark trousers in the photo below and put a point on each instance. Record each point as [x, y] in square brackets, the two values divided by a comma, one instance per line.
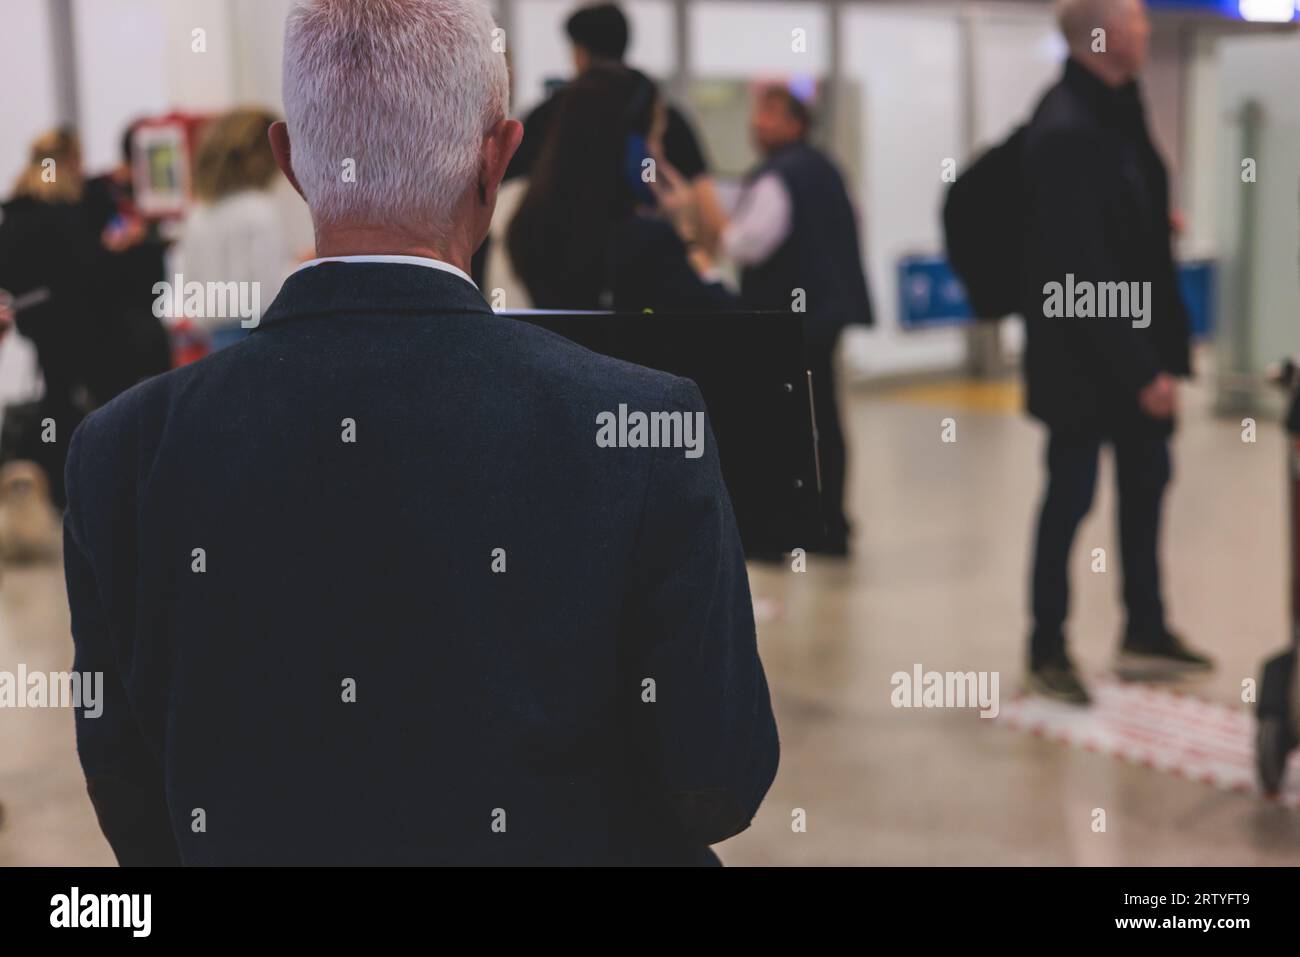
[1142, 471]
[819, 351]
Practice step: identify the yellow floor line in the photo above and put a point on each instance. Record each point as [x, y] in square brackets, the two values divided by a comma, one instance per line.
[965, 395]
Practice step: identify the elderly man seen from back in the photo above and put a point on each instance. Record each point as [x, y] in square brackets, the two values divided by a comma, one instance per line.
[364, 587]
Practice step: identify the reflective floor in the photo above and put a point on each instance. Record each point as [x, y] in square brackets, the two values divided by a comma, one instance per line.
[938, 579]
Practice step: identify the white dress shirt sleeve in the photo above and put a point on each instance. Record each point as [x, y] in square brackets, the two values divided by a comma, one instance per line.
[761, 222]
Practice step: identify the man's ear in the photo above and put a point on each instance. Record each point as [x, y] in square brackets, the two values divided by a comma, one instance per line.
[279, 134]
[499, 145]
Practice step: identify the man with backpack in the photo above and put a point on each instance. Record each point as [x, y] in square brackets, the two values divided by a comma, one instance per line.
[1098, 211]
[1082, 199]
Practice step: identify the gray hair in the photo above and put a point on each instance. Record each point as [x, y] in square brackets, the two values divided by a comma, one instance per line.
[399, 92]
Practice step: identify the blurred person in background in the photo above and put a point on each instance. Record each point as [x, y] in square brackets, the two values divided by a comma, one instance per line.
[92, 274]
[599, 35]
[235, 232]
[50, 250]
[794, 236]
[1098, 211]
[590, 232]
[139, 262]
[110, 197]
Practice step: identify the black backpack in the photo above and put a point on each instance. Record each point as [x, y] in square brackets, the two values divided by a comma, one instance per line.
[983, 227]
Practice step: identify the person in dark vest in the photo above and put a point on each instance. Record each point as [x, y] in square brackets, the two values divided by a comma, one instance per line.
[795, 237]
[1098, 217]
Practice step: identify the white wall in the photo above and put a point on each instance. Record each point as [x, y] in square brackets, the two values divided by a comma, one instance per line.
[908, 63]
[29, 105]
[120, 74]
[1016, 55]
[259, 54]
[1264, 70]
[1200, 189]
[729, 38]
[540, 51]
[1202, 129]
[139, 57]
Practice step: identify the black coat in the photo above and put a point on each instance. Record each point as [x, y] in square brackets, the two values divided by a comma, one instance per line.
[96, 332]
[682, 147]
[642, 264]
[52, 246]
[482, 697]
[1097, 208]
[650, 269]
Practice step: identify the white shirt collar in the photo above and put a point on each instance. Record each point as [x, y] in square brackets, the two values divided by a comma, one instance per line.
[404, 260]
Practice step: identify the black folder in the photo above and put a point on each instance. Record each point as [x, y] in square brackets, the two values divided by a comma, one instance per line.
[750, 369]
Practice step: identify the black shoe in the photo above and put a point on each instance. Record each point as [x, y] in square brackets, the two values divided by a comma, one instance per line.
[1057, 678]
[1159, 651]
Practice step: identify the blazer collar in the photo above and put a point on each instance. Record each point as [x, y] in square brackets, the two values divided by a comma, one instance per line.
[353, 288]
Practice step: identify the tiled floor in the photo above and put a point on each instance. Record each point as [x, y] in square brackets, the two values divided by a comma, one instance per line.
[943, 535]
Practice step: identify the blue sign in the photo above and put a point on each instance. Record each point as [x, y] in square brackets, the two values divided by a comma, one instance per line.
[1263, 11]
[1196, 282]
[931, 295]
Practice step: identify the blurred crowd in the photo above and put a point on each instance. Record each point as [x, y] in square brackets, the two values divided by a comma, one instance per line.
[620, 211]
[80, 265]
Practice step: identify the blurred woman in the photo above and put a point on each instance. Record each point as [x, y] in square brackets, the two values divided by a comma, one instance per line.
[50, 257]
[591, 232]
[235, 233]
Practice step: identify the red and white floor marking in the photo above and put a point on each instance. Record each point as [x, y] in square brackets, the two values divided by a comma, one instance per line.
[1157, 728]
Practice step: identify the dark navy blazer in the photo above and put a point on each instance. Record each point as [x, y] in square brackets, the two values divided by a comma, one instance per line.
[349, 671]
